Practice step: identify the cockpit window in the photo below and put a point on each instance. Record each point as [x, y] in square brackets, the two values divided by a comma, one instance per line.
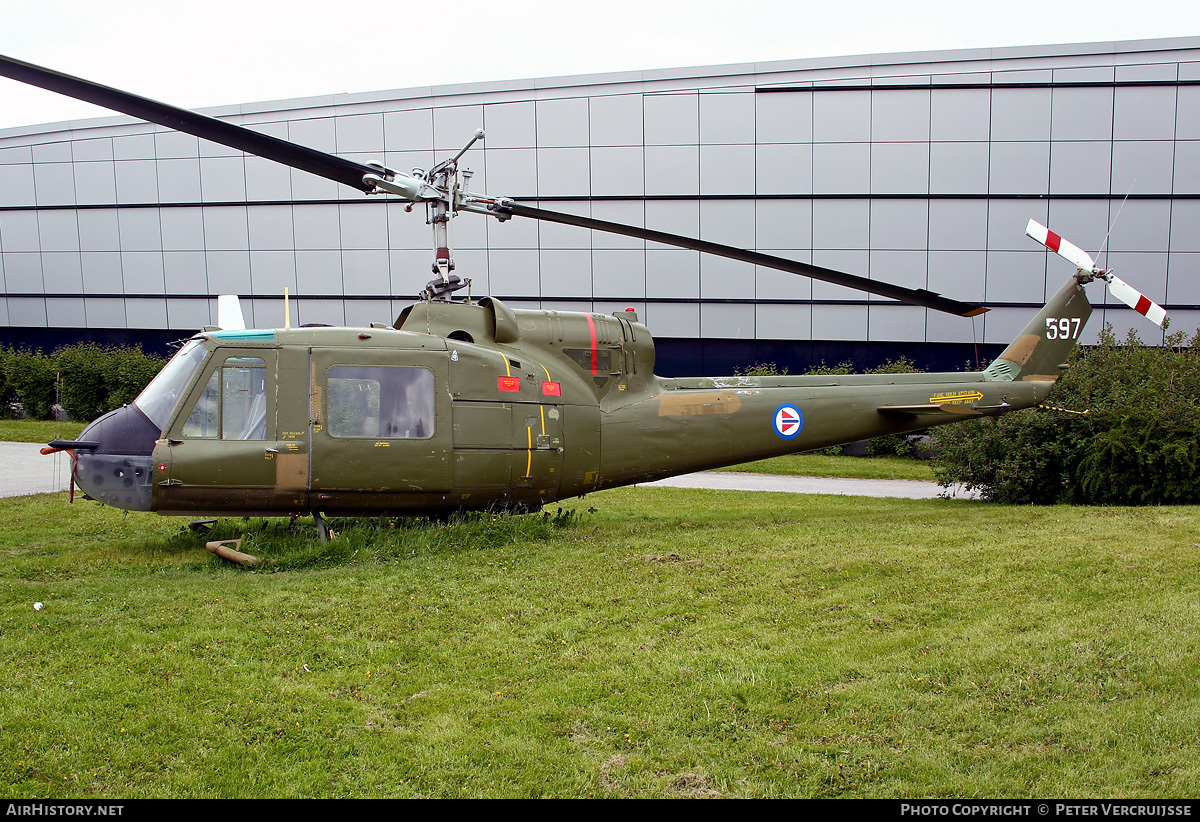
[205, 419]
[233, 403]
[244, 406]
[160, 397]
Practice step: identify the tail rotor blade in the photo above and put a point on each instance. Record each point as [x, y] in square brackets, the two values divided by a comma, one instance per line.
[1120, 289]
[1063, 248]
[1136, 300]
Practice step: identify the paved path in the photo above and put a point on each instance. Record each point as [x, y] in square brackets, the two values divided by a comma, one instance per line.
[735, 481]
[24, 470]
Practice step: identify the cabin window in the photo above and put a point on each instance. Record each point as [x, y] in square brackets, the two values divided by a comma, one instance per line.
[233, 404]
[381, 402]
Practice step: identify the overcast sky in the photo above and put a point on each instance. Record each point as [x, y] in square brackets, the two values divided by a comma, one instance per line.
[219, 52]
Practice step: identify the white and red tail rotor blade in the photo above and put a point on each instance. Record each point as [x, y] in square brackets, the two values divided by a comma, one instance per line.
[1120, 289]
[1136, 300]
[1063, 248]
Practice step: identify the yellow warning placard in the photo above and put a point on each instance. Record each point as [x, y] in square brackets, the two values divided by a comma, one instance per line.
[956, 397]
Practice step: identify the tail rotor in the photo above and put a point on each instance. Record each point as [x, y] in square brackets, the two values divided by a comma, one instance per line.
[1088, 270]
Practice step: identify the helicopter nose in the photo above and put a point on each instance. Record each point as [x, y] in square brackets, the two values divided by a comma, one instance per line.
[113, 459]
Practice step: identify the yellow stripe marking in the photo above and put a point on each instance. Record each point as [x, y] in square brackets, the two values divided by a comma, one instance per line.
[542, 408]
[529, 453]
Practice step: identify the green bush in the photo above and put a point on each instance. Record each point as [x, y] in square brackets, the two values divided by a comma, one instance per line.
[761, 369]
[1138, 442]
[128, 371]
[30, 375]
[84, 387]
[5, 390]
[1144, 459]
[94, 378]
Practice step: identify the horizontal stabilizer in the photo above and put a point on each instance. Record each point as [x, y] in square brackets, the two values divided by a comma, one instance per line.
[928, 409]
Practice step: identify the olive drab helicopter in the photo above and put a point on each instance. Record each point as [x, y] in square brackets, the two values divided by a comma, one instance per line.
[469, 404]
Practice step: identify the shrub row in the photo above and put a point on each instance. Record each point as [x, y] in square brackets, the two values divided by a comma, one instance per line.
[85, 379]
[1138, 443]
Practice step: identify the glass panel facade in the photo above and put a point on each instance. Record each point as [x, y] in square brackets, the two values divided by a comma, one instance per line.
[889, 166]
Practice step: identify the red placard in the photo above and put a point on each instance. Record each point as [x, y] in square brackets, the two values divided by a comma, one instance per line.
[509, 383]
[551, 389]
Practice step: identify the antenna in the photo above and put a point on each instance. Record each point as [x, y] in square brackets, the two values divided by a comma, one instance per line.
[1116, 217]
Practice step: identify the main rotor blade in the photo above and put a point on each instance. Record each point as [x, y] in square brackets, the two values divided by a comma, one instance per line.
[210, 128]
[919, 296]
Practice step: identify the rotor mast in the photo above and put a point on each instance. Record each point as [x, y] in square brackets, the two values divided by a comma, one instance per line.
[443, 189]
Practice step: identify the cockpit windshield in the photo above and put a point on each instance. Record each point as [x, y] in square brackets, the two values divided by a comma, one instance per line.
[160, 397]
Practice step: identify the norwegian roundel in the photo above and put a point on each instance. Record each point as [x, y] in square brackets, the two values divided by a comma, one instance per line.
[788, 421]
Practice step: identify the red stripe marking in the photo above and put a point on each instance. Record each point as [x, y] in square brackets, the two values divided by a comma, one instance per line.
[592, 329]
[1053, 241]
[1143, 305]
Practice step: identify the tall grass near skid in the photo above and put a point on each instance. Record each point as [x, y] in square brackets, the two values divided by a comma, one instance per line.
[668, 643]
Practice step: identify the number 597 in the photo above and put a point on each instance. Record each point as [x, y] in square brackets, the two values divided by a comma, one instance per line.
[1063, 328]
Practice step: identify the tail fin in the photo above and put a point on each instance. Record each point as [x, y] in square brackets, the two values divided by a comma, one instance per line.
[229, 313]
[1042, 348]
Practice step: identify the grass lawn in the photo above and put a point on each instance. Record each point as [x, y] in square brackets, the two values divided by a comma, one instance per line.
[38, 430]
[645, 642]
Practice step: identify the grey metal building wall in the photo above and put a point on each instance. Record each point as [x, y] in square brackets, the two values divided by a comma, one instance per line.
[920, 169]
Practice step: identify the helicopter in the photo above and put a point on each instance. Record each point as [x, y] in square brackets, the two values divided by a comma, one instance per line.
[466, 404]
